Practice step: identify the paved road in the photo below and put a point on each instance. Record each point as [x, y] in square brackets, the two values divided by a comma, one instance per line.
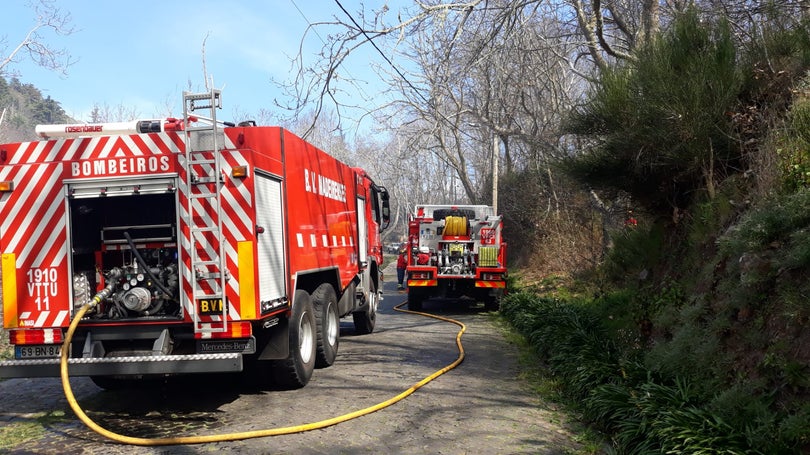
[480, 407]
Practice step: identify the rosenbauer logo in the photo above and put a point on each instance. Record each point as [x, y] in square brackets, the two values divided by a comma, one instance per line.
[84, 128]
[120, 166]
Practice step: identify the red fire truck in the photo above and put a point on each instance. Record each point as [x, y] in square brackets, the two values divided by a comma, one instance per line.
[455, 251]
[201, 246]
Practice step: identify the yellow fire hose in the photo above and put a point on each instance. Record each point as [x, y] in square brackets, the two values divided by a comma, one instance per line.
[63, 370]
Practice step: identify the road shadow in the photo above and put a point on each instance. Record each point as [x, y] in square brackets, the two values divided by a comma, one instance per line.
[434, 305]
[182, 393]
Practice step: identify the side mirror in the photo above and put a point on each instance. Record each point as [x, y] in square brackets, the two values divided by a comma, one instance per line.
[386, 209]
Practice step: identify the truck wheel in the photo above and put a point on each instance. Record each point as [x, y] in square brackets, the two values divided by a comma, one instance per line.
[364, 321]
[295, 371]
[324, 301]
[415, 300]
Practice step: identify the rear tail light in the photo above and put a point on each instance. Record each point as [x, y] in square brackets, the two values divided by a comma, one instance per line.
[420, 275]
[491, 276]
[35, 336]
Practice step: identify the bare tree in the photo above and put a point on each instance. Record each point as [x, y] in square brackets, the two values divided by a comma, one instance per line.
[458, 64]
[101, 113]
[315, 86]
[487, 76]
[466, 79]
[34, 46]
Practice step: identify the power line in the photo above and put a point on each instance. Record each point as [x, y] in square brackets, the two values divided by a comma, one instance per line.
[306, 19]
[315, 30]
[385, 57]
[391, 64]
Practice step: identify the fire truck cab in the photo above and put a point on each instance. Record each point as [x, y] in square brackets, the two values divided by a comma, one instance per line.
[200, 246]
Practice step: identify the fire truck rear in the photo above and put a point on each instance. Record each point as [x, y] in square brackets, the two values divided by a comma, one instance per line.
[456, 251]
[200, 246]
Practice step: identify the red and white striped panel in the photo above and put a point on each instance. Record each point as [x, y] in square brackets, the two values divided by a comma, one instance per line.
[96, 147]
[33, 219]
[237, 225]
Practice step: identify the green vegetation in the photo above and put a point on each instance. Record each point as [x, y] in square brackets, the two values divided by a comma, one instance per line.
[25, 107]
[6, 352]
[18, 431]
[660, 124]
[655, 402]
[691, 334]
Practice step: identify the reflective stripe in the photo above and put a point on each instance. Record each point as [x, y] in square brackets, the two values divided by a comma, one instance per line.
[423, 282]
[247, 285]
[9, 291]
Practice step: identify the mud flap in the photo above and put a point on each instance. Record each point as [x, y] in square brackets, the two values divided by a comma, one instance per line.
[276, 341]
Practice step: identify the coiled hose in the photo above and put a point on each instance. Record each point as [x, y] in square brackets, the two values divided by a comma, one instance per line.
[74, 405]
[455, 226]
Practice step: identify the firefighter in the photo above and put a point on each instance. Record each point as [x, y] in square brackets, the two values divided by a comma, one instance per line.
[402, 262]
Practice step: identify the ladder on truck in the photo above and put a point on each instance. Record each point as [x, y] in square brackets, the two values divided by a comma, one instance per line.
[204, 141]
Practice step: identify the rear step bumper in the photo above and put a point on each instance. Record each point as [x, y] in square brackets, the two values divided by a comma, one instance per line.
[141, 365]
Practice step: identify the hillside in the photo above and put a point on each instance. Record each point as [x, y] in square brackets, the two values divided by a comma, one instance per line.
[691, 335]
[22, 107]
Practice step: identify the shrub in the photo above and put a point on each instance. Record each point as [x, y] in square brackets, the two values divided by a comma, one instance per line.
[633, 252]
[568, 337]
[656, 410]
[660, 122]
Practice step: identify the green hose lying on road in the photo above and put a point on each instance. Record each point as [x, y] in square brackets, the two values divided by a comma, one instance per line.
[63, 370]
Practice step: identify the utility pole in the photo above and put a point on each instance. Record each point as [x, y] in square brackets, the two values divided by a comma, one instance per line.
[496, 153]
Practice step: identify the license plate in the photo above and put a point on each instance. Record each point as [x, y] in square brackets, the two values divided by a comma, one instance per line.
[41, 351]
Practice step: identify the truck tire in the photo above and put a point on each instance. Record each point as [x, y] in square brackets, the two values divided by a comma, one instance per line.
[324, 302]
[295, 371]
[364, 321]
[415, 299]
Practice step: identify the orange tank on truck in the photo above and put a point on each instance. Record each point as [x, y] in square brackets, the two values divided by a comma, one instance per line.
[197, 245]
[456, 252]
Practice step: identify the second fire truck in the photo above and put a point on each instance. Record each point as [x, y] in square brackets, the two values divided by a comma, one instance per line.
[201, 246]
[455, 251]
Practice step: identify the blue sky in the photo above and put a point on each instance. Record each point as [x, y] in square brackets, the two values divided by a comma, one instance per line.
[144, 54]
